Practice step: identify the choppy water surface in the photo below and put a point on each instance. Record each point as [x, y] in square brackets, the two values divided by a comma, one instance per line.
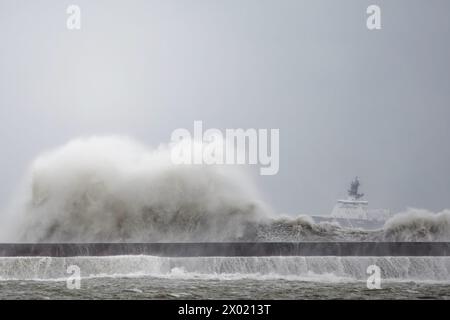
[148, 277]
[164, 288]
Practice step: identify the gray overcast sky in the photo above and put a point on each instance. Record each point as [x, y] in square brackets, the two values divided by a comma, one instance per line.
[348, 101]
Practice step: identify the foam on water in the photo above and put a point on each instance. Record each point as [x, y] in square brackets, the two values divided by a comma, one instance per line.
[321, 269]
[411, 225]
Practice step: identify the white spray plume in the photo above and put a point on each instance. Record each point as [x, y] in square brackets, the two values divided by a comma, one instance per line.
[107, 189]
[411, 225]
[418, 225]
[116, 189]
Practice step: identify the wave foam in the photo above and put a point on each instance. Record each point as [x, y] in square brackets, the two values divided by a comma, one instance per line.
[115, 189]
[316, 269]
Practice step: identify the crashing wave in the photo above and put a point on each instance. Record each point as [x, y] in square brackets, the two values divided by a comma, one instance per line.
[303, 228]
[413, 225]
[418, 225]
[107, 189]
[113, 189]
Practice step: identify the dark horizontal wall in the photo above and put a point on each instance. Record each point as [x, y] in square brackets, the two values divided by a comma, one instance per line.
[210, 249]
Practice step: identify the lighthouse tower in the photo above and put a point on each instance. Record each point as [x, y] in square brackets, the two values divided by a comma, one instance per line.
[352, 207]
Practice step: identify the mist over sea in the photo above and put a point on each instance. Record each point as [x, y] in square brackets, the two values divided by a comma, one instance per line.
[114, 189]
[270, 107]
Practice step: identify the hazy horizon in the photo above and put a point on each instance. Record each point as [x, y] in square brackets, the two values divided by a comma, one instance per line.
[348, 101]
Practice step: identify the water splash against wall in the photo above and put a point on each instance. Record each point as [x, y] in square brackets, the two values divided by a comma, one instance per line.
[291, 268]
[115, 189]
